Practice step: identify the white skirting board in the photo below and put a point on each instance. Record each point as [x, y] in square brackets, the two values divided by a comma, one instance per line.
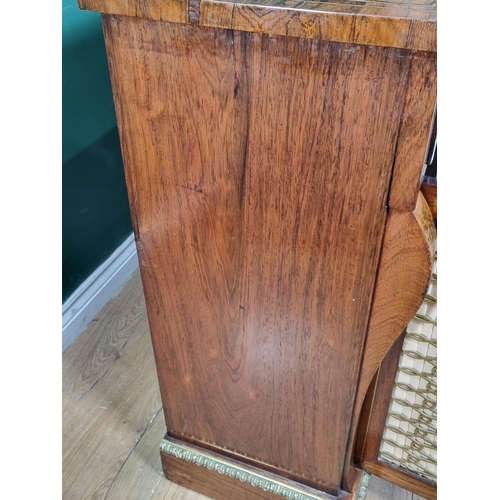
[93, 294]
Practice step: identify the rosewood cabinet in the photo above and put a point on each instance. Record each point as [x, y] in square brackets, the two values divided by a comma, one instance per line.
[273, 153]
[396, 437]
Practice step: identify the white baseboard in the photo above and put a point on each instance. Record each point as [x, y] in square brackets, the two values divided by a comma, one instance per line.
[93, 294]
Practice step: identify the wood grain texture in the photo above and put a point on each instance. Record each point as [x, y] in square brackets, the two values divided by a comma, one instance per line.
[402, 479]
[376, 405]
[175, 11]
[415, 131]
[382, 490]
[167, 490]
[391, 23]
[400, 24]
[194, 11]
[222, 487]
[258, 171]
[403, 277]
[82, 373]
[121, 428]
[104, 421]
[429, 190]
[73, 435]
[140, 476]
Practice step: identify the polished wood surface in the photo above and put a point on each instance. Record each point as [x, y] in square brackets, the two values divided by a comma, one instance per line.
[274, 153]
[414, 132]
[377, 401]
[390, 23]
[407, 257]
[403, 276]
[402, 24]
[258, 171]
[175, 11]
[112, 424]
[376, 405]
[429, 190]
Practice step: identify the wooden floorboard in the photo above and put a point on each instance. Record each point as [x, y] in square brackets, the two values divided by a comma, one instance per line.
[112, 418]
[383, 490]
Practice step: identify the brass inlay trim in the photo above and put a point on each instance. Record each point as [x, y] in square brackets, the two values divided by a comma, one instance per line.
[222, 467]
[363, 485]
[228, 469]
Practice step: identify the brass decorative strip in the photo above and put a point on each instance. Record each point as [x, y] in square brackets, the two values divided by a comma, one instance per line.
[363, 485]
[234, 472]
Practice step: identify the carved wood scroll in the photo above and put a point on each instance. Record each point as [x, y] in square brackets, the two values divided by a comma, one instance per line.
[404, 273]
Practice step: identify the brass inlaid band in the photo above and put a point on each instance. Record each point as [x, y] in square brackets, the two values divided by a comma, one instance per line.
[234, 472]
[245, 476]
[363, 486]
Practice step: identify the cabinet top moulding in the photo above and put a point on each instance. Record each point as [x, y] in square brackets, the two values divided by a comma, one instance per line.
[389, 23]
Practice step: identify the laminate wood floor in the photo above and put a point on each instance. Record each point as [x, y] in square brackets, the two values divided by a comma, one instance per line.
[112, 416]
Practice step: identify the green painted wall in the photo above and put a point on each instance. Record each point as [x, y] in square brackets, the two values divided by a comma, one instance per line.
[96, 218]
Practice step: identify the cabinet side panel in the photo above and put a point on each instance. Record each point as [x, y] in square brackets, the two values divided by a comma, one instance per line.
[258, 169]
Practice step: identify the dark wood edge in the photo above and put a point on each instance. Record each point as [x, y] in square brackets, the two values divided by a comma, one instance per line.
[364, 420]
[376, 405]
[403, 479]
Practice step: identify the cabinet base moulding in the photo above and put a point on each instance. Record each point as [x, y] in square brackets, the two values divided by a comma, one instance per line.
[222, 478]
